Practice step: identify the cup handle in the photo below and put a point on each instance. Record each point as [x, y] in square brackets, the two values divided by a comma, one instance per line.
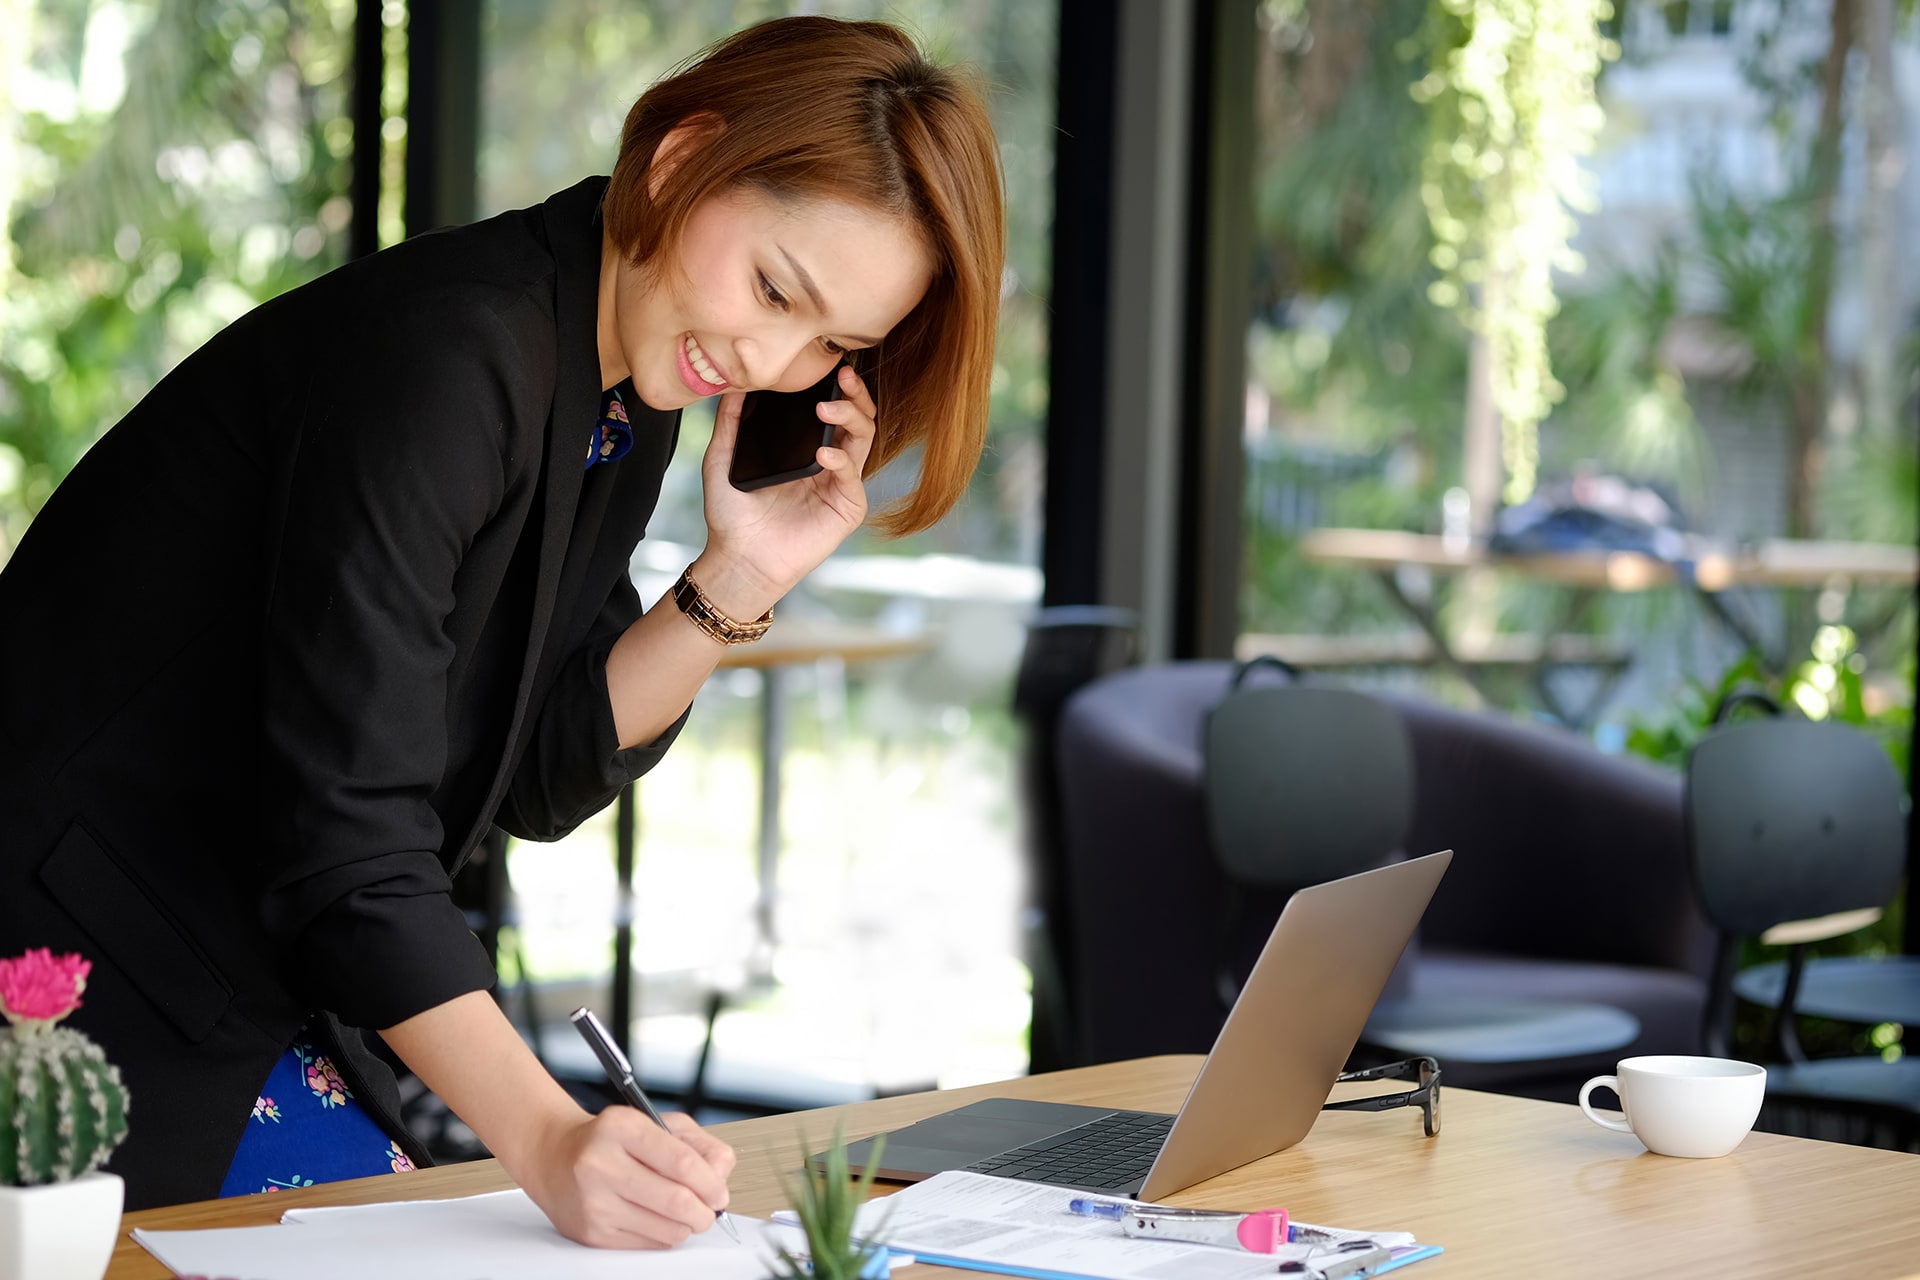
[1603, 1082]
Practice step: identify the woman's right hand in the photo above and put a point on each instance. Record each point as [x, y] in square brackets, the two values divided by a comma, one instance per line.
[616, 1180]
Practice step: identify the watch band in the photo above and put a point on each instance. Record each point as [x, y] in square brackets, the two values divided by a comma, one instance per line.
[693, 602]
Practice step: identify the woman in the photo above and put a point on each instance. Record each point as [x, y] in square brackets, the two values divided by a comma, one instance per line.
[351, 584]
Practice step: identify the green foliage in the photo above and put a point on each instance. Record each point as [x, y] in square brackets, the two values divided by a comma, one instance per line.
[1757, 254]
[1337, 197]
[1630, 414]
[1348, 343]
[202, 172]
[1769, 303]
[1666, 736]
[62, 1107]
[1509, 94]
[148, 219]
[1873, 493]
[827, 1201]
[1828, 684]
[1345, 341]
[1355, 356]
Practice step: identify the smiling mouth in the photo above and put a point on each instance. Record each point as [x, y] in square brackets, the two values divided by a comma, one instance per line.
[703, 370]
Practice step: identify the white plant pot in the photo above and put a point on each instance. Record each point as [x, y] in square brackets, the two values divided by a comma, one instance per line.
[62, 1231]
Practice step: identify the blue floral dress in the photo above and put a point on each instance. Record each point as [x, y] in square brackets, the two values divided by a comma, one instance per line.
[613, 438]
[307, 1128]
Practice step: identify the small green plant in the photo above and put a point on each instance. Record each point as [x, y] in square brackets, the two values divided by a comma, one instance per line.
[63, 1108]
[1827, 684]
[827, 1200]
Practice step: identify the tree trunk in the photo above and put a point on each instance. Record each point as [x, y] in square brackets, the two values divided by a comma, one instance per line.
[1482, 471]
[1807, 406]
[1476, 599]
[1882, 270]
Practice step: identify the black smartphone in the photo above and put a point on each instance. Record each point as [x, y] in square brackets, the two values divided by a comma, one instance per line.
[780, 434]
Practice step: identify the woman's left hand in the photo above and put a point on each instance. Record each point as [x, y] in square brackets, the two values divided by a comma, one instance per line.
[775, 536]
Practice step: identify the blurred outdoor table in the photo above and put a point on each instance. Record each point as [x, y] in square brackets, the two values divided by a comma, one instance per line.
[1776, 562]
[795, 642]
[935, 577]
[792, 642]
[1710, 569]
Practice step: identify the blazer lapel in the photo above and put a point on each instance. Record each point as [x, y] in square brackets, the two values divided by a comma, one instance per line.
[573, 233]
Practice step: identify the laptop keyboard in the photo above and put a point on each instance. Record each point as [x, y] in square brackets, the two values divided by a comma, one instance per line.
[1111, 1153]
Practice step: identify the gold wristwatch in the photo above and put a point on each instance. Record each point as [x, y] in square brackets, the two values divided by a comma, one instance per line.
[694, 603]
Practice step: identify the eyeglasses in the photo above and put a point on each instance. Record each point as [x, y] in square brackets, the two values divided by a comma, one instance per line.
[1426, 1096]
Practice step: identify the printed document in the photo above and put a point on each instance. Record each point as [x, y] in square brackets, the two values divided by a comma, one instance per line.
[1024, 1228]
[495, 1236]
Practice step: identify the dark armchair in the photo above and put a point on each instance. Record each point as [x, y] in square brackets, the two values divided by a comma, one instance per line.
[1570, 859]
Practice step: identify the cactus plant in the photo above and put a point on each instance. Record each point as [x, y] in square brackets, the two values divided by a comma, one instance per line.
[63, 1108]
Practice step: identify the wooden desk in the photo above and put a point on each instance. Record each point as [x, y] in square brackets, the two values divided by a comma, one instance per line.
[1510, 1188]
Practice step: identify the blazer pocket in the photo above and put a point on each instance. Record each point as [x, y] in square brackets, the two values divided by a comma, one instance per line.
[135, 934]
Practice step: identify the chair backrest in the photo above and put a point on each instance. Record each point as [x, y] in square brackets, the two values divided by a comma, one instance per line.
[1305, 784]
[1067, 647]
[1792, 820]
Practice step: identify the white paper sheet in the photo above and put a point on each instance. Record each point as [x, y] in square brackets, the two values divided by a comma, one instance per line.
[488, 1237]
[1025, 1228]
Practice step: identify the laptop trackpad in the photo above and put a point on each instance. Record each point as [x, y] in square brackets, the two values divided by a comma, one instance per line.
[955, 1139]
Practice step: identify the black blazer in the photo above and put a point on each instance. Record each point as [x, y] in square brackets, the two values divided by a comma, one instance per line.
[331, 599]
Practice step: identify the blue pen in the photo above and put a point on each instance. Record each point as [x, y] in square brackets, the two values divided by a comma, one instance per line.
[1113, 1209]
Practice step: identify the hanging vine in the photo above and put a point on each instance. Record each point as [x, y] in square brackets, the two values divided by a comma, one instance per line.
[1511, 109]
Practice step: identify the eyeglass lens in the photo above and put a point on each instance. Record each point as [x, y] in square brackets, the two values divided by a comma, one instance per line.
[1430, 1086]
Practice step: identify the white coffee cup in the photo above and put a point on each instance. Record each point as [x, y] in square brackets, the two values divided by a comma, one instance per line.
[1681, 1106]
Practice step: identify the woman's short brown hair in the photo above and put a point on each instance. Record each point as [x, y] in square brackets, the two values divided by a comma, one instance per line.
[811, 107]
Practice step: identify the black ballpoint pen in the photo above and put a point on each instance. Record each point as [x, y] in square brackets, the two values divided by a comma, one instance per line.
[620, 1073]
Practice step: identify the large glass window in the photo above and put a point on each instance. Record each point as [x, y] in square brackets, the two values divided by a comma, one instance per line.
[898, 875]
[1723, 492]
[163, 167]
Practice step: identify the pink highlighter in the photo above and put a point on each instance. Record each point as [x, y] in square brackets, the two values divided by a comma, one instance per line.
[1261, 1232]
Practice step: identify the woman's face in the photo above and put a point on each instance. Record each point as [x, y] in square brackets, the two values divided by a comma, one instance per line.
[763, 294]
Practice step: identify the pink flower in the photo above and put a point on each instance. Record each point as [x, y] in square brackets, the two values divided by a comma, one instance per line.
[42, 987]
[323, 1078]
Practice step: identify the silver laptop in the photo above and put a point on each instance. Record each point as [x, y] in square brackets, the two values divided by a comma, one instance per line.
[1260, 1089]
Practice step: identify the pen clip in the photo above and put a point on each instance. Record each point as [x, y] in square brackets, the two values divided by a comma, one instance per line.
[602, 1044]
[1354, 1260]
